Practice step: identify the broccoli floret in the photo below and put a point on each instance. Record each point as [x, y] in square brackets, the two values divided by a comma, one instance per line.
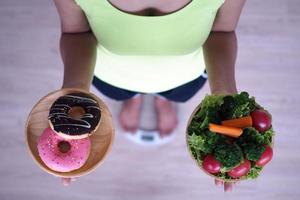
[250, 135]
[227, 107]
[245, 105]
[236, 106]
[253, 151]
[230, 155]
[252, 143]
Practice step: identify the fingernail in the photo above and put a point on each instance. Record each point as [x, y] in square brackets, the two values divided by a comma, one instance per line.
[227, 187]
[218, 182]
[66, 181]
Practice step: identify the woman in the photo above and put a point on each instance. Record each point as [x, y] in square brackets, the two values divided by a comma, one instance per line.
[135, 47]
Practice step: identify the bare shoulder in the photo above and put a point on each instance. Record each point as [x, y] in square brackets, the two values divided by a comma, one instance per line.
[228, 15]
[73, 19]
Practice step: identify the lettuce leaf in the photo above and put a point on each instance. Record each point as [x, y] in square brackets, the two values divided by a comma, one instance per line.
[197, 142]
[209, 106]
[254, 172]
[204, 142]
[268, 136]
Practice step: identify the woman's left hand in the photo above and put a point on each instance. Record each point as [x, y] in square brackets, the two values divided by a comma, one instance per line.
[224, 91]
[228, 186]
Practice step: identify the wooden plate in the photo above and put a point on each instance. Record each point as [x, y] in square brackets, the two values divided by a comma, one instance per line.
[101, 139]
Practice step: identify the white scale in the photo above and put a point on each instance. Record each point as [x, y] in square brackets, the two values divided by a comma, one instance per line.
[147, 135]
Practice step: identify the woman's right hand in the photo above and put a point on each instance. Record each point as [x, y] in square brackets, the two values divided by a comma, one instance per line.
[67, 181]
[85, 86]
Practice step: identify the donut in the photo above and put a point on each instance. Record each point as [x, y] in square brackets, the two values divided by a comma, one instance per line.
[62, 155]
[71, 127]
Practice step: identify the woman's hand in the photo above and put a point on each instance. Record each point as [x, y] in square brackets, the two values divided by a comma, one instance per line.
[227, 185]
[85, 87]
[224, 91]
[67, 181]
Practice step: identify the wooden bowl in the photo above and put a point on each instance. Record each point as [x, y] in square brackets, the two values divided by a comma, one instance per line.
[101, 139]
[200, 166]
[187, 143]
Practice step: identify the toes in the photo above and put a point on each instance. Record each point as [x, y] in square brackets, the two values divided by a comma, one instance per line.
[165, 131]
[128, 127]
[129, 115]
[166, 127]
[167, 119]
[132, 129]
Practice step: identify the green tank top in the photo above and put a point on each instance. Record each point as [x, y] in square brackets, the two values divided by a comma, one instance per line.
[126, 41]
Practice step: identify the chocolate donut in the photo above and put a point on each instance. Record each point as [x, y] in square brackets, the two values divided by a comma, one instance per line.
[62, 123]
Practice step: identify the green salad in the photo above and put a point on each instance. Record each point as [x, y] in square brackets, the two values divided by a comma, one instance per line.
[230, 136]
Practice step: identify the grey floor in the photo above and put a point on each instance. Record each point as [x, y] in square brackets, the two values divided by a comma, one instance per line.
[267, 67]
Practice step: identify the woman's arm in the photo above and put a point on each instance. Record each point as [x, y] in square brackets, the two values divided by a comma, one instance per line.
[220, 49]
[77, 45]
[220, 52]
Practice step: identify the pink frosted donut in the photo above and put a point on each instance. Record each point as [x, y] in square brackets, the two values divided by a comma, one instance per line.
[60, 154]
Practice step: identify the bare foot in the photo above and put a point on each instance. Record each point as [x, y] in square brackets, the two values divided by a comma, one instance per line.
[166, 116]
[130, 114]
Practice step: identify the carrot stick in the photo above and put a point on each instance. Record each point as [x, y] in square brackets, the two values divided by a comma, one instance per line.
[242, 122]
[225, 130]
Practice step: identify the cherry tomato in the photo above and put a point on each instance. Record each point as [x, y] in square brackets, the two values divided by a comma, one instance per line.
[261, 120]
[265, 157]
[240, 170]
[211, 165]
